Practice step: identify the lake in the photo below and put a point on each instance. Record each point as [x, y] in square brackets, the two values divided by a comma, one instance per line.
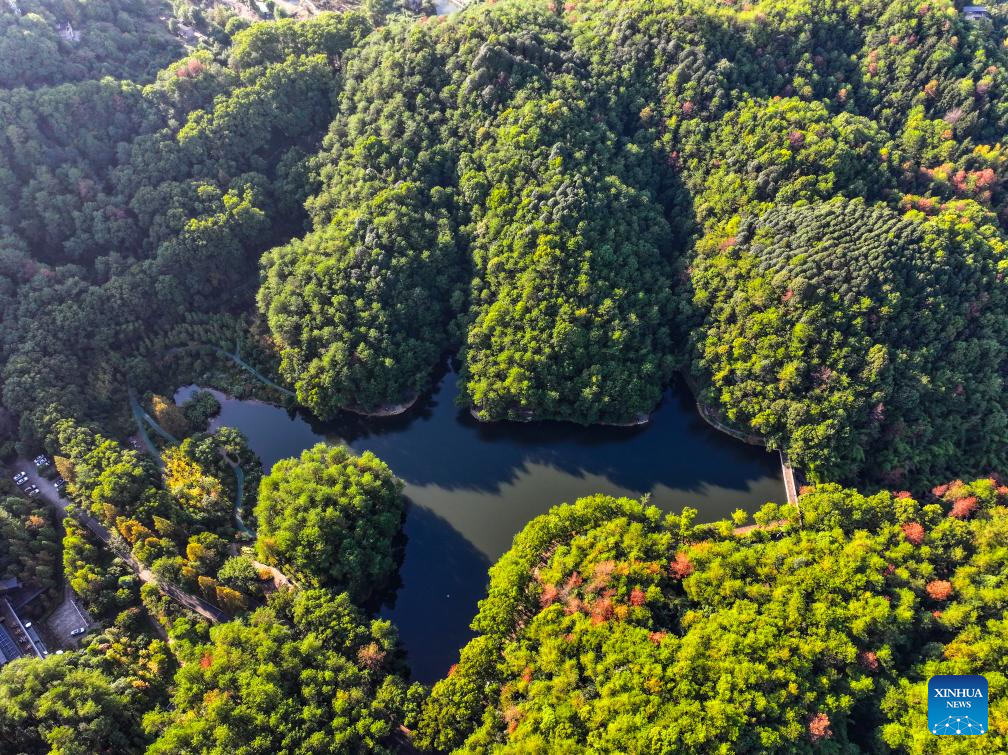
[473, 486]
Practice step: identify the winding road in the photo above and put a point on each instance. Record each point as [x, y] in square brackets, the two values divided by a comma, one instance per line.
[141, 417]
[59, 503]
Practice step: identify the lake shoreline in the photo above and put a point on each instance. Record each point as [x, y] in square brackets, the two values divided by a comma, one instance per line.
[473, 486]
[710, 416]
[641, 421]
[386, 410]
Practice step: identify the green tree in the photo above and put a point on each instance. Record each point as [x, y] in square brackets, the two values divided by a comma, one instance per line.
[818, 327]
[305, 674]
[332, 518]
[30, 549]
[610, 627]
[239, 573]
[59, 705]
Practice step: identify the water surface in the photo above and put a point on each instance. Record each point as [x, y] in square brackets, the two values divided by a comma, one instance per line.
[473, 486]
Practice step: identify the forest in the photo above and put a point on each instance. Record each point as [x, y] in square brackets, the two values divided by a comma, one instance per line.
[610, 628]
[799, 206]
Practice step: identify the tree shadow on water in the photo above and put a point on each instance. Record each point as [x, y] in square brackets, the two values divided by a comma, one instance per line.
[440, 444]
[443, 578]
[437, 443]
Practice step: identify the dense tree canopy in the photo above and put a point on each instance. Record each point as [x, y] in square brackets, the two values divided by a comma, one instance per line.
[610, 628]
[540, 189]
[801, 203]
[127, 210]
[172, 519]
[569, 321]
[355, 307]
[332, 517]
[304, 674]
[361, 306]
[571, 161]
[102, 582]
[60, 705]
[572, 300]
[856, 337]
[29, 545]
[44, 42]
[786, 150]
[329, 34]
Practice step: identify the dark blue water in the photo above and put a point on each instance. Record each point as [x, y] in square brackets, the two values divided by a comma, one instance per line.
[473, 486]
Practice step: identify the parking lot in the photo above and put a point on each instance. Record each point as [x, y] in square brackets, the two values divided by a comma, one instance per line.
[68, 617]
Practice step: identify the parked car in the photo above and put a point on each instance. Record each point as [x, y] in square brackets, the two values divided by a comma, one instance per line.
[20, 478]
[78, 632]
[42, 461]
[32, 491]
[59, 483]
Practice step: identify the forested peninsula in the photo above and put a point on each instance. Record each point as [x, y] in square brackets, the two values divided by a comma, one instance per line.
[797, 206]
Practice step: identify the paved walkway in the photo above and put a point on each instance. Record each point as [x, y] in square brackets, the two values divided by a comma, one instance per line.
[790, 486]
[787, 470]
[140, 417]
[236, 358]
[239, 474]
[60, 504]
[712, 419]
[144, 419]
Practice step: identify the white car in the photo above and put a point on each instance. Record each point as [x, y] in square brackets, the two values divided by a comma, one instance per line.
[78, 632]
[20, 479]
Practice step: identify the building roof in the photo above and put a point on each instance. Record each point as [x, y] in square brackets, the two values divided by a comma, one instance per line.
[27, 634]
[36, 641]
[8, 648]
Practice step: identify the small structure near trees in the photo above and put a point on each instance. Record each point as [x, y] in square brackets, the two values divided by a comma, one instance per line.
[69, 34]
[976, 13]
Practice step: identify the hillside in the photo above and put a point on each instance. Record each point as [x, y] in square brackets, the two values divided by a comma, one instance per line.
[799, 206]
